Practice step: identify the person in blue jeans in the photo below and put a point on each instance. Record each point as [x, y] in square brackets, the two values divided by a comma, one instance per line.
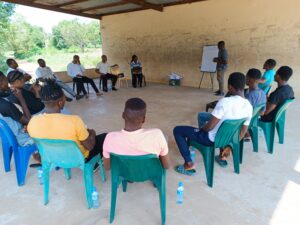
[229, 108]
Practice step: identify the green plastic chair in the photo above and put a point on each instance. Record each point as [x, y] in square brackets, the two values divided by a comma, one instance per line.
[137, 169]
[228, 134]
[67, 155]
[278, 123]
[253, 130]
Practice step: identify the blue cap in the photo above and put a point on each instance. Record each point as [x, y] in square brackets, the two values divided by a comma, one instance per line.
[180, 184]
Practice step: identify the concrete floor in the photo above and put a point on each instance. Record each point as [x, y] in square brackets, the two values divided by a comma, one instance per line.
[267, 191]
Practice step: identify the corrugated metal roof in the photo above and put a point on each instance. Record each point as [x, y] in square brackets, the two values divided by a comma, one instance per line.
[99, 8]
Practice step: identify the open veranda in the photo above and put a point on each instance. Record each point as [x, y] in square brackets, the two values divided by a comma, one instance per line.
[265, 192]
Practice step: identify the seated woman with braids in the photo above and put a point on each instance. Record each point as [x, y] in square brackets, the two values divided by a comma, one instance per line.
[54, 125]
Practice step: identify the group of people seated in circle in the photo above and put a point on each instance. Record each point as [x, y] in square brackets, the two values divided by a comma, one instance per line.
[20, 101]
[77, 72]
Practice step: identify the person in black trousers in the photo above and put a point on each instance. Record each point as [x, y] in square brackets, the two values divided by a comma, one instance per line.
[103, 68]
[136, 72]
[76, 70]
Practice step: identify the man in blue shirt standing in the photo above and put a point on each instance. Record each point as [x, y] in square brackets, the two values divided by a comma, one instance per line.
[222, 64]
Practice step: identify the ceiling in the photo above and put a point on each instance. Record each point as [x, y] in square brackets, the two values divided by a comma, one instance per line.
[98, 8]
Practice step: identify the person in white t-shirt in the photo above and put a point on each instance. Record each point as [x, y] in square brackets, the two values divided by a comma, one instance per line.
[103, 68]
[44, 72]
[76, 71]
[228, 108]
[13, 65]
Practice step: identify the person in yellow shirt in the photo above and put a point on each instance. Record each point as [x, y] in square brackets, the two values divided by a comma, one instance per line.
[54, 125]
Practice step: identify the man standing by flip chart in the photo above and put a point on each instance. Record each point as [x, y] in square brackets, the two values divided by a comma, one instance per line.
[222, 64]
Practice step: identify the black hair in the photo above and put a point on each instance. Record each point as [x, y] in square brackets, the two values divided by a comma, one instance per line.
[237, 80]
[254, 74]
[40, 60]
[132, 57]
[285, 72]
[50, 91]
[135, 110]
[135, 104]
[9, 61]
[271, 63]
[221, 43]
[14, 75]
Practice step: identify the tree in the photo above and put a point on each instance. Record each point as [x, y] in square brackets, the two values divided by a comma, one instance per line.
[73, 33]
[24, 39]
[6, 11]
[93, 33]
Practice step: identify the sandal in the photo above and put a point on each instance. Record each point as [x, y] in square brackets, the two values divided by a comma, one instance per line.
[247, 139]
[182, 170]
[35, 165]
[221, 162]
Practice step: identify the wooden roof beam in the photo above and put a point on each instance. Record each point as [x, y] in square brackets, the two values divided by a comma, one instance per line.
[146, 5]
[104, 6]
[52, 8]
[69, 3]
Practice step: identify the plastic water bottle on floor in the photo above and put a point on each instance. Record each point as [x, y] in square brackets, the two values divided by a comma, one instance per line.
[40, 175]
[180, 191]
[193, 154]
[109, 85]
[95, 198]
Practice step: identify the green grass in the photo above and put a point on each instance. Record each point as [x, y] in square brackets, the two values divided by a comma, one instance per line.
[58, 60]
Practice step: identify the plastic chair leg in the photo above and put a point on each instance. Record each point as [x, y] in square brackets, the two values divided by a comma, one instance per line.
[241, 150]
[22, 156]
[236, 157]
[269, 132]
[46, 177]
[280, 131]
[7, 154]
[67, 173]
[114, 189]
[124, 185]
[88, 184]
[102, 171]
[208, 158]
[254, 138]
[162, 200]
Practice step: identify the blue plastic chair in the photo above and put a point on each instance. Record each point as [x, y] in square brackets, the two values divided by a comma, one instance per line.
[66, 154]
[21, 154]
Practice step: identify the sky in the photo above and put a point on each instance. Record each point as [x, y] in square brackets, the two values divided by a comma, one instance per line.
[45, 18]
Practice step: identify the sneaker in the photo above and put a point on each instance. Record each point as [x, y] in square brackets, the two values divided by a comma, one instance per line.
[105, 89]
[220, 94]
[217, 92]
[79, 97]
[114, 89]
[96, 167]
[68, 99]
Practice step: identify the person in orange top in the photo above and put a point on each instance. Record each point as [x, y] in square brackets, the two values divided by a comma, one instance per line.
[54, 125]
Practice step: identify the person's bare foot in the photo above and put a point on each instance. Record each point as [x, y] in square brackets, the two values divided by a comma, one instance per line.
[189, 165]
[37, 157]
[99, 94]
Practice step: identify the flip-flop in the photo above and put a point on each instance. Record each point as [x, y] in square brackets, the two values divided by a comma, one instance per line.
[35, 165]
[221, 162]
[247, 139]
[182, 170]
